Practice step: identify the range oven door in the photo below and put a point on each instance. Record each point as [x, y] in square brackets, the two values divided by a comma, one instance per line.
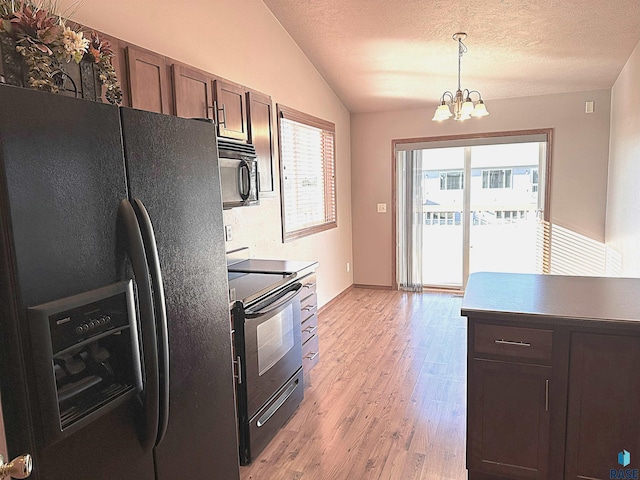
[273, 345]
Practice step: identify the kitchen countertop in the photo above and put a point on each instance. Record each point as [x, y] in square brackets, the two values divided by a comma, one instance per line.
[562, 299]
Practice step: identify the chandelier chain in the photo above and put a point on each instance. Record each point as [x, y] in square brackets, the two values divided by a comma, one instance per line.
[462, 49]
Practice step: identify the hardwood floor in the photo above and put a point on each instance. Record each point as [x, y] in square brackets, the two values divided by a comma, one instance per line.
[386, 401]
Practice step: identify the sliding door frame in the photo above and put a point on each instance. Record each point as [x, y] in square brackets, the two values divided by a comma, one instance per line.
[548, 132]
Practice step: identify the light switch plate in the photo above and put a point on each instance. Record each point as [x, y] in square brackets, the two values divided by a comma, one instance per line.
[382, 208]
[589, 107]
[227, 233]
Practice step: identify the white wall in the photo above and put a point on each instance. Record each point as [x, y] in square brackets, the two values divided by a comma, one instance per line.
[623, 201]
[579, 168]
[241, 40]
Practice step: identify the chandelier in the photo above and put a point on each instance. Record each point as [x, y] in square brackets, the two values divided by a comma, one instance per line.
[460, 106]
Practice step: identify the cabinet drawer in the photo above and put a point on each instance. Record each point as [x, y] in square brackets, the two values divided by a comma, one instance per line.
[309, 328]
[308, 308]
[308, 285]
[310, 354]
[518, 342]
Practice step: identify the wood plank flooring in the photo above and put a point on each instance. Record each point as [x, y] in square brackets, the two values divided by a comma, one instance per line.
[386, 401]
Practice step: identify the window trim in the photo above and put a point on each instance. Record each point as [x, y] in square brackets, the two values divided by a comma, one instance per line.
[284, 112]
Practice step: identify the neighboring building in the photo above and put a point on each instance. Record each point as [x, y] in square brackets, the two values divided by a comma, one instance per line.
[499, 195]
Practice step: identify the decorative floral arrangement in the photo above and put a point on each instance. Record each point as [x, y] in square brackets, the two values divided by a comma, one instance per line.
[44, 41]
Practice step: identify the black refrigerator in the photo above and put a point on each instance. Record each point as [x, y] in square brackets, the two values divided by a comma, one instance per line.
[115, 358]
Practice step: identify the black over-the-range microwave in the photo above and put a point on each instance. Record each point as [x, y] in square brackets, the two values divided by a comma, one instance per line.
[238, 173]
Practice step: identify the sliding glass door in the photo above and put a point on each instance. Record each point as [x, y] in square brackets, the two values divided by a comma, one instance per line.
[442, 237]
[482, 207]
[505, 207]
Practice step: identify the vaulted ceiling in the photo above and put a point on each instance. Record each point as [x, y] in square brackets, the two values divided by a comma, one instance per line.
[393, 54]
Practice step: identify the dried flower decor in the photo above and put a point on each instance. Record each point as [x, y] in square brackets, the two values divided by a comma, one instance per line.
[44, 41]
[100, 52]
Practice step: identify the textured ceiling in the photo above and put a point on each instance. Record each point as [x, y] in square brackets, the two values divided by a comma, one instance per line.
[392, 54]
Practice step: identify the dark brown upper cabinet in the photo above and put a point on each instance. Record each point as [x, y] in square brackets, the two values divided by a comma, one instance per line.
[149, 83]
[192, 93]
[261, 131]
[231, 110]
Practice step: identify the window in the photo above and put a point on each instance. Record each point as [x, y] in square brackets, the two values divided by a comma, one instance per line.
[307, 173]
[496, 178]
[451, 181]
[534, 180]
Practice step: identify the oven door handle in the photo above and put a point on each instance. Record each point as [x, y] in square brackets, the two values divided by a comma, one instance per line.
[283, 300]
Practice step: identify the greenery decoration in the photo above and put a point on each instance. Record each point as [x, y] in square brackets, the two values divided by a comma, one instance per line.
[45, 42]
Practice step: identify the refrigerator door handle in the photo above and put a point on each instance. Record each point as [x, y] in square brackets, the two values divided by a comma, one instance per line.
[134, 247]
[160, 307]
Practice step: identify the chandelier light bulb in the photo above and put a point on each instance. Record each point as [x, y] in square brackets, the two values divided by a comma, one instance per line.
[467, 108]
[480, 109]
[442, 113]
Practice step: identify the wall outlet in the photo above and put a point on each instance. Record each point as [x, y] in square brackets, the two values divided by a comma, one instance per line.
[227, 233]
[348, 267]
[382, 208]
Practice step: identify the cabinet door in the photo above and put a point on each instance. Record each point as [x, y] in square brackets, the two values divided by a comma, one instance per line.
[192, 93]
[261, 136]
[232, 110]
[508, 408]
[148, 81]
[604, 405]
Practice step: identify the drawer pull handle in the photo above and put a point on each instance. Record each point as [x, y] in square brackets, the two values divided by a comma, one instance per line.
[309, 285]
[309, 308]
[312, 355]
[311, 329]
[509, 342]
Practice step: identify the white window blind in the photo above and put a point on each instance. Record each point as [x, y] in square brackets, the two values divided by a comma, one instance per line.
[307, 177]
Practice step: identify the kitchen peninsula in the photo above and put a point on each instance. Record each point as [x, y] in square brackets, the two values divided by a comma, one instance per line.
[553, 390]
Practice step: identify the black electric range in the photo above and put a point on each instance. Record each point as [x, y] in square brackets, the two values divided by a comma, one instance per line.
[267, 343]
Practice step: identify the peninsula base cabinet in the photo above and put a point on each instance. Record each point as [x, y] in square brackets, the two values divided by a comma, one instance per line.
[510, 431]
[553, 374]
[604, 405]
[527, 406]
